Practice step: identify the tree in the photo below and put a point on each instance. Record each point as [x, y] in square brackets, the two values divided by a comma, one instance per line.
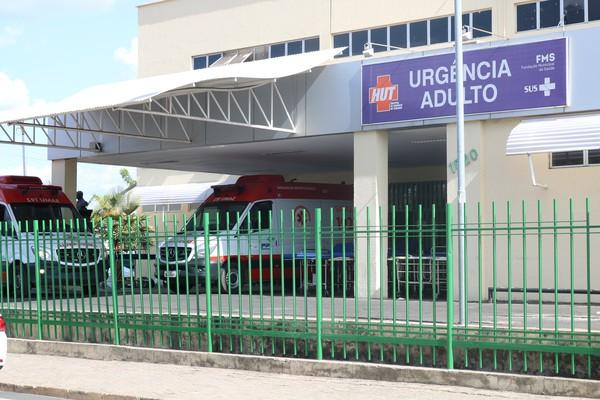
[130, 231]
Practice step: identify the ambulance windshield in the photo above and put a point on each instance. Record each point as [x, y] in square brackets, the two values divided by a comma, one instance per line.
[220, 214]
[50, 217]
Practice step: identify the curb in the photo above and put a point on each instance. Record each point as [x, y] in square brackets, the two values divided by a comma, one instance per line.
[64, 393]
[539, 385]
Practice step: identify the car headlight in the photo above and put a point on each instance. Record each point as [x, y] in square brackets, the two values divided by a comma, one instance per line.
[43, 254]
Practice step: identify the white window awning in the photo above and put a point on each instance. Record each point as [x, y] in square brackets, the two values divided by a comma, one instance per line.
[188, 193]
[155, 108]
[555, 134]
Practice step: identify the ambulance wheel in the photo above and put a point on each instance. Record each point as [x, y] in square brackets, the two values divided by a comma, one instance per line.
[230, 278]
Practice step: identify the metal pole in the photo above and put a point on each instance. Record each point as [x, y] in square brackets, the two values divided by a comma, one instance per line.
[460, 150]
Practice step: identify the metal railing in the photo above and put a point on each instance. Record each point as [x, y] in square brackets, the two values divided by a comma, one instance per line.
[333, 284]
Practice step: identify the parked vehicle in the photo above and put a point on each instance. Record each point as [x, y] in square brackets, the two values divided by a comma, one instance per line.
[69, 254]
[251, 226]
[3, 342]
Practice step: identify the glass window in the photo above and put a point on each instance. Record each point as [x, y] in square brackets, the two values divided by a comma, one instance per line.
[379, 36]
[398, 36]
[438, 30]
[593, 10]
[549, 13]
[418, 34]
[294, 47]
[200, 62]
[526, 17]
[277, 50]
[358, 42]
[466, 20]
[213, 210]
[311, 45]
[482, 20]
[573, 12]
[258, 217]
[567, 158]
[6, 228]
[594, 157]
[49, 212]
[342, 40]
[213, 58]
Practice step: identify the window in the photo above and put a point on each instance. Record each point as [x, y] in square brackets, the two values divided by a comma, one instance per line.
[398, 36]
[294, 47]
[201, 62]
[575, 158]
[549, 13]
[594, 157]
[593, 10]
[415, 34]
[311, 45]
[526, 17]
[5, 222]
[552, 13]
[342, 40]
[380, 37]
[277, 50]
[258, 217]
[359, 39]
[418, 34]
[573, 12]
[466, 21]
[482, 23]
[438, 30]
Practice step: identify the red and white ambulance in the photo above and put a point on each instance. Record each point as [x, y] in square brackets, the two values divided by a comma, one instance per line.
[256, 227]
[69, 254]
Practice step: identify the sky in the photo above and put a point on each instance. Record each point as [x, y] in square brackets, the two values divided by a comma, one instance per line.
[51, 49]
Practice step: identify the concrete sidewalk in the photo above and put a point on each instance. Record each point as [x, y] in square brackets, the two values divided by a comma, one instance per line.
[95, 379]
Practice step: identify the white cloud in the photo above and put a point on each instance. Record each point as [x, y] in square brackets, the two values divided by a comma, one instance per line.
[13, 93]
[45, 7]
[128, 56]
[9, 35]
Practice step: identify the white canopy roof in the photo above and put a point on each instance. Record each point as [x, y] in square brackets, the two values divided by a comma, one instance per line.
[188, 193]
[138, 91]
[555, 134]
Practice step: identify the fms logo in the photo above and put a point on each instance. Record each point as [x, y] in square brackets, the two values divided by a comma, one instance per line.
[384, 93]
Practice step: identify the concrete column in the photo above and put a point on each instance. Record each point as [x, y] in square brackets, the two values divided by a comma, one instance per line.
[371, 197]
[64, 174]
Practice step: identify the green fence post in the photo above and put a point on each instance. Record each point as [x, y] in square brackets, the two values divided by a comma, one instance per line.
[207, 283]
[319, 263]
[38, 283]
[113, 279]
[449, 289]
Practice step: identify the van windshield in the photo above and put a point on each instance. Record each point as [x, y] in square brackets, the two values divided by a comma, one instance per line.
[49, 216]
[217, 212]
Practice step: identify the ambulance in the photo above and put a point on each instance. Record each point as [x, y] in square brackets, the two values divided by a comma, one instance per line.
[257, 227]
[70, 257]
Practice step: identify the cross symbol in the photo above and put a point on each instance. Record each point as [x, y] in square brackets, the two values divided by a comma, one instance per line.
[383, 93]
[547, 87]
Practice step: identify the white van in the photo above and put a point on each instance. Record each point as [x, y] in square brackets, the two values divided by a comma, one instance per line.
[244, 239]
[69, 255]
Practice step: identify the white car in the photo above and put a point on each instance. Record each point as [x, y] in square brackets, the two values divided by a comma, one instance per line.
[3, 341]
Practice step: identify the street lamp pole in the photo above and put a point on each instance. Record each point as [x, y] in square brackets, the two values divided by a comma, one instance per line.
[460, 150]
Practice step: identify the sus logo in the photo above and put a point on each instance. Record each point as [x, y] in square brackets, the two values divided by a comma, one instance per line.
[383, 93]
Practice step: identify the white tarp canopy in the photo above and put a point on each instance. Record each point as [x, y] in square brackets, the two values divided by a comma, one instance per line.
[137, 91]
[555, 134]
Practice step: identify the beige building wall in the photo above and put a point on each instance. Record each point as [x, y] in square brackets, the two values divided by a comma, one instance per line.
[172, 31]
[496, 177]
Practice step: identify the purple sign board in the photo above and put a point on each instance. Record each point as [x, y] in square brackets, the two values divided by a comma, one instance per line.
[508, 78]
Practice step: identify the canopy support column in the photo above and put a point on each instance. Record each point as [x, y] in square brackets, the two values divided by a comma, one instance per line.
[64, 174]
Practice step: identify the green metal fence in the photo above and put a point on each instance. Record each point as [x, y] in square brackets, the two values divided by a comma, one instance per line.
[333, 284]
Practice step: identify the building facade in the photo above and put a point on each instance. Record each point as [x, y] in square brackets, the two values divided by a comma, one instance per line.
[381, 113]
